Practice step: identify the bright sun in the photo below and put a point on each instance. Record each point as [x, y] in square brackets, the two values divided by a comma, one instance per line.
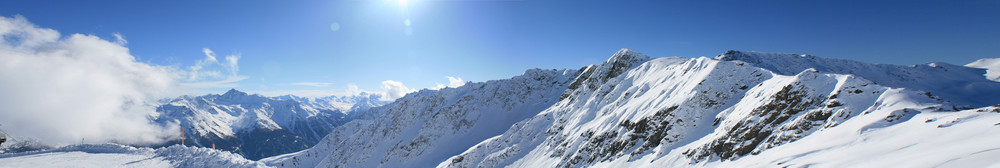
[402, 2]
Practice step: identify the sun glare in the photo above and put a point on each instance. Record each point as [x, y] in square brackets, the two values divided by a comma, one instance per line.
[402, 3]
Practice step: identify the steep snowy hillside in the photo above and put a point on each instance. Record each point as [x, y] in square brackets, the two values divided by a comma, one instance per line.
[746, 109]
[992, 66]
[904, 138]
[114, 155]
[424, 128]
[256, 126]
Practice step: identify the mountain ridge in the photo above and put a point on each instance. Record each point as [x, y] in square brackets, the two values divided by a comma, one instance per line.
[760, 111]
[256, 126]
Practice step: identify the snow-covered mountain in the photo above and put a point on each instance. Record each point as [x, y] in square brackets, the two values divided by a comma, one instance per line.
[352, 106]
[992, 66]
[744, 108]
[739, 109]
[256, 126]
[424, 128]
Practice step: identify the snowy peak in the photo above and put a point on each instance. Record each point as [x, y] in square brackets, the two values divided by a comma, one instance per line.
[621, 61]
[992, 66]
[627, 55]
[592, 76]
[233, 93]
[344, 104]
[256, 126]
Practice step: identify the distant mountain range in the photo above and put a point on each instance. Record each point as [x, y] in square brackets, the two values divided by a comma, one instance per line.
[256, 126]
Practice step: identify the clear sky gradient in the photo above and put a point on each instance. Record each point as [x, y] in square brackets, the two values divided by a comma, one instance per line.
[335, 43]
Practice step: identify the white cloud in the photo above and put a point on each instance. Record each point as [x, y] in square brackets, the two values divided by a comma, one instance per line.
[78, 87]
[353, 89]
[313, 84]
[232, 62]
[393, 90]
[65, 89]
[453, 82]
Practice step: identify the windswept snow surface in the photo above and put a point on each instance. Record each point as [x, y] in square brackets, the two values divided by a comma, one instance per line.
[114, 155]
[992, 66]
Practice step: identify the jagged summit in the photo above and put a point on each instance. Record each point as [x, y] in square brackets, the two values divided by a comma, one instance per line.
[626, 55]
[234, 93]
[592, 75]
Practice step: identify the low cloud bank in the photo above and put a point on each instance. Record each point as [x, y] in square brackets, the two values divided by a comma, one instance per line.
[83, 89]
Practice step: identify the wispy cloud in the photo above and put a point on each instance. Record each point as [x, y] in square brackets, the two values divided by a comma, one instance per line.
[207, 72]
[313, 84]
[119, 39]
[224, 83]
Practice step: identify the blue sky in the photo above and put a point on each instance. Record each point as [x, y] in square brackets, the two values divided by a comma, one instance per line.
[364, 43]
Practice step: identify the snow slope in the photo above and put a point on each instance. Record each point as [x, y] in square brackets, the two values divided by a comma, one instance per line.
[424, 128]
[114, 155]
[992, 66]
[927, 139]
[747, 109]
[256, 126]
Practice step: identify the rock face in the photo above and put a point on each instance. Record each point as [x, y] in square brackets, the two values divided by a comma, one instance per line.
[256, 126]
[739, 109]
